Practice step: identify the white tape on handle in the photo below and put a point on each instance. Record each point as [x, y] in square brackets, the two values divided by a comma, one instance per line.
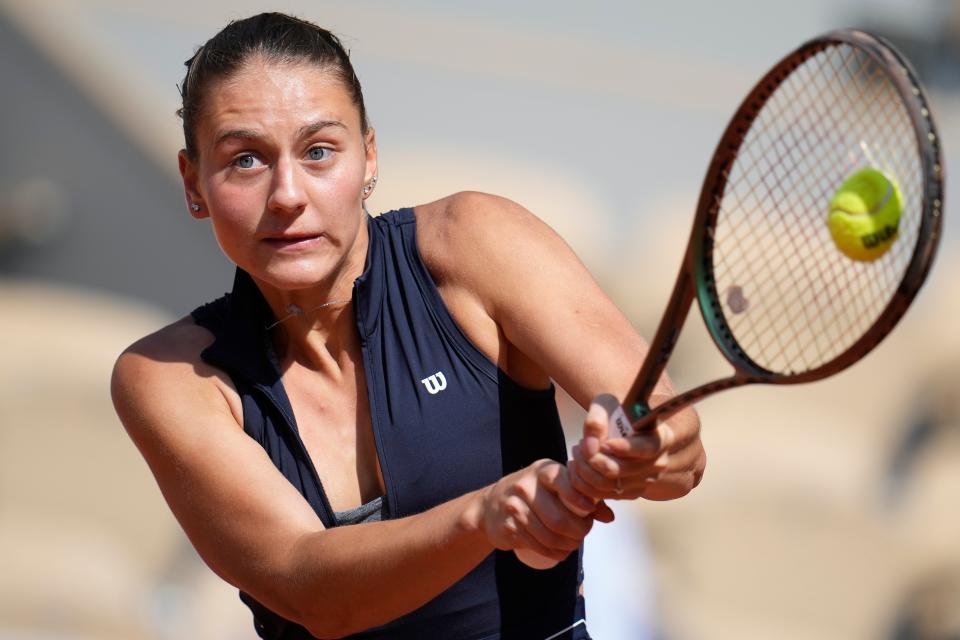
[619, 425]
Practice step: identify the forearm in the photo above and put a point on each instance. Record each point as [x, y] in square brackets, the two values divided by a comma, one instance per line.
[347, 579]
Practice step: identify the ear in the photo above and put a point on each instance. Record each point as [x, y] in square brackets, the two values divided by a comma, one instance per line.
[372, 168]
[188, 171]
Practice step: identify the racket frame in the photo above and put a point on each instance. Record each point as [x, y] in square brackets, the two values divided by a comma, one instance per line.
[695, 278]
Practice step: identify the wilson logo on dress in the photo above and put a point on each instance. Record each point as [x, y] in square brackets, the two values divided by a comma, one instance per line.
[435, 383]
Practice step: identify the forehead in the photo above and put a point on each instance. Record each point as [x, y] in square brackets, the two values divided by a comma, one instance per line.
[271, 94]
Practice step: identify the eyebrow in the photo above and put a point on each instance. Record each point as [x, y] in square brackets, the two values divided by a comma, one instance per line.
[313, 127]
[249, 134]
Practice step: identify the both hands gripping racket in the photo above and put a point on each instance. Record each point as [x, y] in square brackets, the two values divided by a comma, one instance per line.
[781, 296]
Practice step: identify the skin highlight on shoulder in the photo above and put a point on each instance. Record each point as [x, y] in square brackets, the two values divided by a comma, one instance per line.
[457, 234]
[169, 358]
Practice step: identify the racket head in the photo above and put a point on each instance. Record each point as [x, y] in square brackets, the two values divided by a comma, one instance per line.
[779, 300]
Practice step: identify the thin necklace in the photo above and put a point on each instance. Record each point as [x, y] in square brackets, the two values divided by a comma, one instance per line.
[296, 310]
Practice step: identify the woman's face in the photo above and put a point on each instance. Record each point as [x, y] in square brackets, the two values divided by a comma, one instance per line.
[280, 169]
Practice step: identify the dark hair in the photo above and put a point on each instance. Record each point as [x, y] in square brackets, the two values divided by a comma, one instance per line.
[276, 36]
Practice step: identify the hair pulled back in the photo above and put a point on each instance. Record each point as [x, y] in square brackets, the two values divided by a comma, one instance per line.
[278, 38]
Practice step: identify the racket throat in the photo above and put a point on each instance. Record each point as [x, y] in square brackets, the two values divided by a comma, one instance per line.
[638, 410]
[662, 412]
[636, 402]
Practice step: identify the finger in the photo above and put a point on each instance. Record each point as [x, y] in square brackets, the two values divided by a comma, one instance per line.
[557, 516]
[577, 484]
[633, 464]
[547, 506]
[588, 481]
[584, 470]
[594, 428]
[526, 541]
[577, 502]
[636, 468]
[635, 478]
[603, 513]
[549, 523]
[599, 462]
[644, 445]
[682, 429]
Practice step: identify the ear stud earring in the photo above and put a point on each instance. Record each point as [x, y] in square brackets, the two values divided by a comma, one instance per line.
[368, 188]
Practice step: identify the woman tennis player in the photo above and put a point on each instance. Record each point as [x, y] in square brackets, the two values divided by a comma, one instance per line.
[392, 373]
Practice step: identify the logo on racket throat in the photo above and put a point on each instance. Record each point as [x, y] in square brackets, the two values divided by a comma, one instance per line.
[619, 424]
[435, 383]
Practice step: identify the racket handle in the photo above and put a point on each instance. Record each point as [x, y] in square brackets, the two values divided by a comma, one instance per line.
[622, 425]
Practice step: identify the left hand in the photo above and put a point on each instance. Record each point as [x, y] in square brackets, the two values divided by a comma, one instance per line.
[660, 464]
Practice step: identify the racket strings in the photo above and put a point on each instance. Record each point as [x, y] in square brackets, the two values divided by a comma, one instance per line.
[791, 299]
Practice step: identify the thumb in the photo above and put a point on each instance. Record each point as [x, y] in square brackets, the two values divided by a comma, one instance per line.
[595, 427]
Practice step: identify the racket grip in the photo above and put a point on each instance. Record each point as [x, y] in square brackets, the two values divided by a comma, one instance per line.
[622, 425]
[619, 426]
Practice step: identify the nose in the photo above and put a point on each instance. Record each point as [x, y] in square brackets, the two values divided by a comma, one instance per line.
[287, 193]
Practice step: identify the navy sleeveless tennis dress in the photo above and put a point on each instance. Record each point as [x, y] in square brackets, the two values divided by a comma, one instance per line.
[446, 421]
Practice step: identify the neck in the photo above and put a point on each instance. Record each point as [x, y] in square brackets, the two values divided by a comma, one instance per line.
[323, 341]
[315, 326]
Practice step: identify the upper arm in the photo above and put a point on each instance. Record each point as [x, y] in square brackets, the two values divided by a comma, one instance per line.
[538, 293]
[239, 512]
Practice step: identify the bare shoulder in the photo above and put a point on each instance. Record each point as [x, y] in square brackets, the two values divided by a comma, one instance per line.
[180, 340]
[468, 216]
[162, 367]
[462, 235]
[169, 351]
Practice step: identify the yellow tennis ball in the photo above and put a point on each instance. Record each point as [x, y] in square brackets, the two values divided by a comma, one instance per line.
[865, 215]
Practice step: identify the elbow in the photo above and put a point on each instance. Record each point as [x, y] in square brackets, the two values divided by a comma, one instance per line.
[325, 632]
[312, 601]
[291, 600]
[325, 617]
[333, 625]
[325, 623]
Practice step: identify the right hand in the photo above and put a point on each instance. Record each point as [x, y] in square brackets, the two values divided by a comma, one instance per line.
[537, 509]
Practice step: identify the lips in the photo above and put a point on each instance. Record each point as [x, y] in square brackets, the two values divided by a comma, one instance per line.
[293, 241]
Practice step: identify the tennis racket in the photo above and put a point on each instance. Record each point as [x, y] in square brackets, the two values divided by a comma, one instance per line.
[782, 302]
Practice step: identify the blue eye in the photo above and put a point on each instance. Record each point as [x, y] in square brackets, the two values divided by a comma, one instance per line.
[245, 161]
[319, 153]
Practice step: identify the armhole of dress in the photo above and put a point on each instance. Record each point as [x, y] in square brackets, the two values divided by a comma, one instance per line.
[204, 317]
[438, 308]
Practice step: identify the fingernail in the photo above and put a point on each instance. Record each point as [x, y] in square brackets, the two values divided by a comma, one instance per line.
[596, 413]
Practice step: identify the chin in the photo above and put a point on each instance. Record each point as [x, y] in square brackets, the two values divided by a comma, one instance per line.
[292, 275]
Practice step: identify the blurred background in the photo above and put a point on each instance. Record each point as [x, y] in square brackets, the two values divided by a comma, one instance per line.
[828, 511]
